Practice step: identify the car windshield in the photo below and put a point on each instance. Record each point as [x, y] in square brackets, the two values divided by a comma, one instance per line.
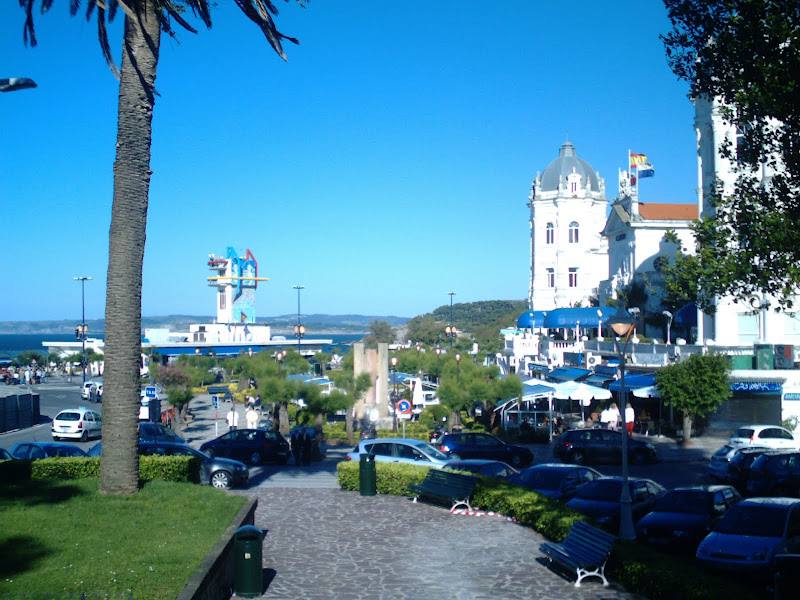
[430, 451]
[542, 479]
[68, 416]
[606, 489]
[684, 501]
[722, 452]
[753, 519]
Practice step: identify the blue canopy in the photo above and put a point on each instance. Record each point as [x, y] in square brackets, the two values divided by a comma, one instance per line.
[536, 389]
[687, 316]
[598, 380]
[570, 317]
[568, 373]
[633, 382]
[531, 319]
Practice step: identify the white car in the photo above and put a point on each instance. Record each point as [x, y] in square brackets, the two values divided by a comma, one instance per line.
[400, 450]
[768, 436]
[76, 423]
[86, 389]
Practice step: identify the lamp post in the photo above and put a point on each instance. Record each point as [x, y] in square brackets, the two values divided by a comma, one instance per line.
[83, 281]
[394, 395]
[299, 330]
[458, 370]
[599, 326]
[668, 314]
[623, 324]
[438, 364]
[451, 331]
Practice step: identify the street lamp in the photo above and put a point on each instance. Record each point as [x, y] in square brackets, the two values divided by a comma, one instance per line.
[599, 326]
[668, 314]
[623, 324]
[83, 281]
[450, 330]
[458, 369]
[394, 396]
[299, 330]
[12, 84]
[438, 364]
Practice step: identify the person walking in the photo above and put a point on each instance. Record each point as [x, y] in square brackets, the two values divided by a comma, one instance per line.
[252, 418]
[297, 447]
[308, 444]
[605, 418]
[233, 419]
[614, 416]
[630, 417]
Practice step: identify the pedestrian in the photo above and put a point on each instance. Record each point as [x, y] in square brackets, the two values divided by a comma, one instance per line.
[614, 416]
[605, 418]
[233, 419]
[630, 417]
[252, 418]
[308, 444]
[297, 447]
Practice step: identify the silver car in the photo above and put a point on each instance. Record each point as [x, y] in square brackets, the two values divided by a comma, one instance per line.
[76, 423]
[771, 436]
[400, 450]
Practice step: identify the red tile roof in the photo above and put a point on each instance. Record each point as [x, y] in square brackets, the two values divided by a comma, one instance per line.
[667, 212]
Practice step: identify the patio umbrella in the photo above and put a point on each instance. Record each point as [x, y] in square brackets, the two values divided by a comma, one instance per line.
[573, 390]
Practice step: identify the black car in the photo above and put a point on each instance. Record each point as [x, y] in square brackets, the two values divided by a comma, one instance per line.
[581, 446]
[488, 468]
[684, 516]
[740, 464]
[600, 499]
[556, 480]
[36, 450]
[483, 445]
[775, 475]
[250, 445]
[157, 432]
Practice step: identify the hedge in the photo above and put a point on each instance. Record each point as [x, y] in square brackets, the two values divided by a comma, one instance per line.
[640, 569]
[168, 468]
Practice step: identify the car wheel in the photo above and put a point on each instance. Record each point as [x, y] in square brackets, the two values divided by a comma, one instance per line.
[638, 457]
[516, 461]
[255, 458]
[221, 480]
[56, 438]
[85, 436]
[578, 457]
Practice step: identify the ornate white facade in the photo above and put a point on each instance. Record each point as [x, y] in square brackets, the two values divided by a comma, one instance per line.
[569, 256]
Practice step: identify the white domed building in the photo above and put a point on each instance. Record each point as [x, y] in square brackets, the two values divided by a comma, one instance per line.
[569, 256]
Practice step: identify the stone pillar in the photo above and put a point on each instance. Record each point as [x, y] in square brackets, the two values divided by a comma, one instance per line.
[382, 383]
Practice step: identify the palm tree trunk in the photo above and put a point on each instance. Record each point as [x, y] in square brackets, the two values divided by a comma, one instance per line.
[119, 472]
[687, 426]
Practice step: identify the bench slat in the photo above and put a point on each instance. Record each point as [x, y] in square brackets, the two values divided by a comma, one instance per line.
[585, 549]
[446, 486]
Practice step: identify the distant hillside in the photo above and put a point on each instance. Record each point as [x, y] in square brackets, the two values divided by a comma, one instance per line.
[313, 324]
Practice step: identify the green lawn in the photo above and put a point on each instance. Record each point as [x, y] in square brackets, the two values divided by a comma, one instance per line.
[60, 537]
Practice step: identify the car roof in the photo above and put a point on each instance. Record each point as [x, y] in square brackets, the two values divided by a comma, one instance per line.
[771, 501]
[554, 466]
[758, 427]
[477, 462]
[80, 409]
[701, 488]
[402, 440]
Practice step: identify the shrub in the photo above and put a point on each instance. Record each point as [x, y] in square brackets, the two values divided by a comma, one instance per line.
[65, 468]
[167, 468]
[391, 478]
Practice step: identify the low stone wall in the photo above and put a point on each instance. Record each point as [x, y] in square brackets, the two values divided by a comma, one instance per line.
[213, 579]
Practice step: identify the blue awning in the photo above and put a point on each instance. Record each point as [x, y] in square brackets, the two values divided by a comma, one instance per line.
[570, 317]
[568, 374]
[598, 380]
[535, 367]
[536, 390]
[531, 319]
[633, 382]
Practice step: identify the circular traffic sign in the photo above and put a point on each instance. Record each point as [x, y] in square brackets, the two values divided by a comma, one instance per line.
[404, 407]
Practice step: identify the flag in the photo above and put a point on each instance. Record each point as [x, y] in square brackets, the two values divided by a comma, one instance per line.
[637, 159]
[633, 179]
[646, 170]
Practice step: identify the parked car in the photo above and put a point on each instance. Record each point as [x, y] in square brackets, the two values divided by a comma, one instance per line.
[684, 516]
[750, 534]
[556, 480]
[4, 455]
[400, 450]
[581, 446]
[600, 499]
[220, 472]
[76, 423]
[254, 446]
[37, 450]
[739, 465]
[157, 432]
[771, 436]
[488, 468]
[86, 389]
[483, 445]
[775, 474]
[719, 466]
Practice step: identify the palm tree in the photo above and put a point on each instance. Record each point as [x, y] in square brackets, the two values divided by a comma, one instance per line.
[144, 22]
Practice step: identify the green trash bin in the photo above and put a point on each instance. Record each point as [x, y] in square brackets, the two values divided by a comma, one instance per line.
[366, 475]
[247, 579]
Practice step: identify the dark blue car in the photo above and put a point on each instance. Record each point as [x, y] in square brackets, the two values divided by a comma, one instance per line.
[600, 499]
[488, 447]
[36, 450]
[684, 516]
[559, 481]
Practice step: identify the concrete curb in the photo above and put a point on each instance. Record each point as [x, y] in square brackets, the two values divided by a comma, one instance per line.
[213, 578]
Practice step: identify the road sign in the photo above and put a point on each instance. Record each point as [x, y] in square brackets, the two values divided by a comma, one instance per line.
[404, 407]
[215, 399]
[150, 391]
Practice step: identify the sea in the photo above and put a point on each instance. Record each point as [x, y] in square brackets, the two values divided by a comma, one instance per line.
[13, 344]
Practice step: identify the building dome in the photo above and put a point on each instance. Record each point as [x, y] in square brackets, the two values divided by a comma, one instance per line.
[566, 164]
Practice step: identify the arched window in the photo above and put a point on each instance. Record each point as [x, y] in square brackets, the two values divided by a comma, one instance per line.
[573, 232]
[550, 237]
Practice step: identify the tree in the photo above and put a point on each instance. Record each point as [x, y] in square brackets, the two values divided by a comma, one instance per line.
[144, 21]
[178, 386]
[696, 386]
[426, 329]
[380, 332]
[744, 53]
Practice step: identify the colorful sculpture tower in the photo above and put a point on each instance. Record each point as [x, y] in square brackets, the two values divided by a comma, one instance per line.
[236, 281]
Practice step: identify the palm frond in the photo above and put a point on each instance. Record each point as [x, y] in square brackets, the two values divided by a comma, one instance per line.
[46, 4]
[170, 8]
[258, 11]
[28, 32]
[102, 34]
[74, 5]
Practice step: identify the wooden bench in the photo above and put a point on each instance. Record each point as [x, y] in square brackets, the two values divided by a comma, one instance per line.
[446, 486]
[585, 549]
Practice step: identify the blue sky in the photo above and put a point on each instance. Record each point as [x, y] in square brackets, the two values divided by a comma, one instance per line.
[386, 164]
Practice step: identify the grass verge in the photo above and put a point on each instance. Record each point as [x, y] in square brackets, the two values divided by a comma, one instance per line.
[63, 537]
